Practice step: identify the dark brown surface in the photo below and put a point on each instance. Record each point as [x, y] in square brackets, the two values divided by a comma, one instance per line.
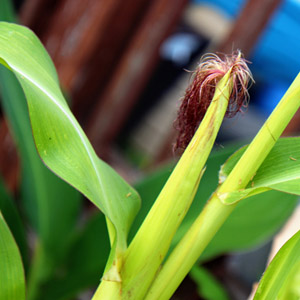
[36, 14]
[9, 160]
[73, 33]
[85, 39]
[294, 126]
[98, 69]
[133, 71]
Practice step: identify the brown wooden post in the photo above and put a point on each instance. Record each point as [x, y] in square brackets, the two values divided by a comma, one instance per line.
[133, 72]
[9, 160]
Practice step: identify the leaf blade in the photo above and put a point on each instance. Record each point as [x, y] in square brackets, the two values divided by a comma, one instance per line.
[208, 286]
[14, 222]
[12, 281]
[280, 171]
[279, 269]
[59, 138]
[44, 196]
[238, 232]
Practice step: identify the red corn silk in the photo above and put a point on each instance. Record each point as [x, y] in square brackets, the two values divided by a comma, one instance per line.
[200, 92]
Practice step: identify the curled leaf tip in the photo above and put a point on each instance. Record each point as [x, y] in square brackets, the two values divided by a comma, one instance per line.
[201, 90]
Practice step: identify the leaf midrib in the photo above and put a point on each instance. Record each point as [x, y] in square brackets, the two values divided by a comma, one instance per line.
[74, 124]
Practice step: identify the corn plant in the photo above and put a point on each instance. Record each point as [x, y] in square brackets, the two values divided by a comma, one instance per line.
[151, 266]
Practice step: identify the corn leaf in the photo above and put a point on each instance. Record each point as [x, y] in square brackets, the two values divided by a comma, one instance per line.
[85, 262]
[7, 11]
[253, 222]
[277, 275]
[291, 288]
[50, 204]
[280, 171]
[60, 141]
[12, 281]
[239, 232]
[13, 220]
[208, 286]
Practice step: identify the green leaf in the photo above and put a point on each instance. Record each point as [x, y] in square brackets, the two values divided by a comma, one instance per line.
[150, 186]
[12, 281]
[13, 220]
[7, 205]
[84, 264]
[278, 273]
[51, 205]
[291, 289]
[253, 222]
[7, 11]
[269, 210]
[280, 171]
[208, 287]
[60, 141]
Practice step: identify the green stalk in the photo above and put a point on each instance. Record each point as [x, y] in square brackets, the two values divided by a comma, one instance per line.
[108, 290]
[40, 270]
[153, 239]
[111, 283]
[34, 273]
[216, 212]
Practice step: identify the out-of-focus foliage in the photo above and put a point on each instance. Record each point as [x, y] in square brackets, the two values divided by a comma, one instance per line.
[12, 281]
[281, 279]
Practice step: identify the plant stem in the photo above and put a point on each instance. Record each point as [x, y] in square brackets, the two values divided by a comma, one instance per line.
[187, 251]
[40, 270]
[108, 290]
[215, 212]
[153, 239]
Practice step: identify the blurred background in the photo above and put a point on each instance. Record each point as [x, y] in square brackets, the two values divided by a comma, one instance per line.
[123, 66]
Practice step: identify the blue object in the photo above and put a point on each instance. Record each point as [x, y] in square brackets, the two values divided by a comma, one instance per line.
[269, 95]
[277, 52]
[276, 56]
